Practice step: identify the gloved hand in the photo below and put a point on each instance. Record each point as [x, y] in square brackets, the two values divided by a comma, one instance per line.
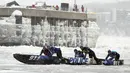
[84, 57]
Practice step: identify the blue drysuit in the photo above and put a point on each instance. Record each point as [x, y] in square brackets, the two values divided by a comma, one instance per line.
[52, 50]
[79, 53]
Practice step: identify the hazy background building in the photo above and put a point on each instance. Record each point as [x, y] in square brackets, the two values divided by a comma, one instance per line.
[112, 18]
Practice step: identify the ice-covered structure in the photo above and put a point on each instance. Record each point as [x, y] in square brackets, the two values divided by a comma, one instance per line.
[56, 31]
[60, 35]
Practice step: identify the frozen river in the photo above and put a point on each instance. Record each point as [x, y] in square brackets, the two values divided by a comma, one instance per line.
[121, 44]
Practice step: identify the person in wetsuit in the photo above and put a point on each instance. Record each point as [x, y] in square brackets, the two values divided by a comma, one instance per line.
[91, 53]
[50, 50]
[113, 55]
[79, 53]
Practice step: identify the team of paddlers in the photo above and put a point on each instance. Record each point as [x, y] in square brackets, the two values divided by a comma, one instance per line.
[48, 51]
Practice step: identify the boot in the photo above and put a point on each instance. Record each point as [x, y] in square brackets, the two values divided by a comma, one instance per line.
[91, 61]
[115, 63]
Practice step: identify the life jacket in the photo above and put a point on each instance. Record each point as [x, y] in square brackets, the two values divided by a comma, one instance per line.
[79, 54]
[47, 52]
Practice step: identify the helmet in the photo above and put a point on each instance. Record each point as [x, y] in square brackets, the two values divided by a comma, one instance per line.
[75, 50]
[81, 47]
[109, 51]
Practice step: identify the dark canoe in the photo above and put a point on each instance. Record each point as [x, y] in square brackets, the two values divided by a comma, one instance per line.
[37, 59]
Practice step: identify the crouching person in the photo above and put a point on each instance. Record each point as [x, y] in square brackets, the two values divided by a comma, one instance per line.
[91, 53]
[49, 51]
[79, 53]
[113, 55]
[79, 58]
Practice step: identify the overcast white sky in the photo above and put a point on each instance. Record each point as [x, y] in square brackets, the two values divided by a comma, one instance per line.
[56, 2]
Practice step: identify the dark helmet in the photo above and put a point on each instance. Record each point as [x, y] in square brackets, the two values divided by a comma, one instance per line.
[109, 51]
[81, 47]
[75, 50]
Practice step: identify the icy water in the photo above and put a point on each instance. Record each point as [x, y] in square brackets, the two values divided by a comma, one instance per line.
[121, 44]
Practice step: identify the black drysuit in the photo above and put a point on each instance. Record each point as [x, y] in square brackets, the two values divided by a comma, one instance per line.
[91, 53]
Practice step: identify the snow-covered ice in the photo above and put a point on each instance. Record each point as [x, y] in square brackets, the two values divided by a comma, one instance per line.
[121, 44]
